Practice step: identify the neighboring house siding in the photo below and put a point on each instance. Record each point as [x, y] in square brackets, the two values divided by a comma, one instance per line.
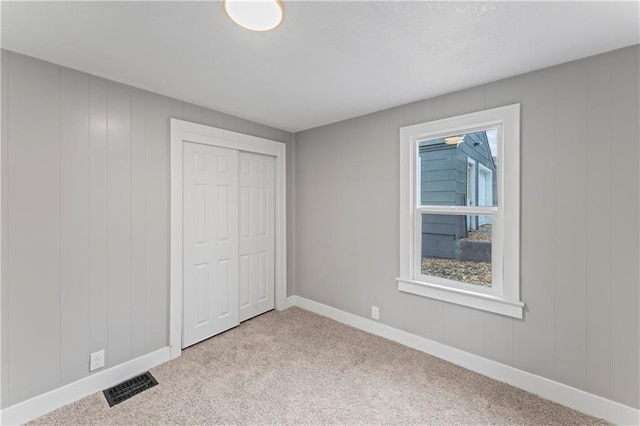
[443, 175]
[443, 231]
[439, 176]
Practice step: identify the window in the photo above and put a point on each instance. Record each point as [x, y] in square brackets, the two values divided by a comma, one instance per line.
[460, 210]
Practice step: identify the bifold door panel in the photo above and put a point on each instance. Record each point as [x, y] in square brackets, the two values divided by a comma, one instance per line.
[228, 239]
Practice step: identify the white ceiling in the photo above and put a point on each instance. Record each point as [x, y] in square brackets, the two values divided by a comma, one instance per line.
[329, 60]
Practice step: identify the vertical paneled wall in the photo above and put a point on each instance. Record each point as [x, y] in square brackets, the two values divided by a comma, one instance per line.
[85, 213]
[579, 224]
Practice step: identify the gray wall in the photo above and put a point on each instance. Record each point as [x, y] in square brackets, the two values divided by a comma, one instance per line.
[85, 215]
[579, 236]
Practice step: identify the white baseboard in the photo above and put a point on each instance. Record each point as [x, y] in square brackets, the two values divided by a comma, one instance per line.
[566, 395]
[42, 404]
[288, 302]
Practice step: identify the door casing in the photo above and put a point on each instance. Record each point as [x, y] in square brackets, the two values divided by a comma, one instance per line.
[182, 131]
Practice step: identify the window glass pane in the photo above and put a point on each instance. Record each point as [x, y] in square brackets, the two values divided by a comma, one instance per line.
[457, 247]
[459, 170]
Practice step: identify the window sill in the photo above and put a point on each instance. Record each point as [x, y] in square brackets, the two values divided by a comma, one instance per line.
[485, 302]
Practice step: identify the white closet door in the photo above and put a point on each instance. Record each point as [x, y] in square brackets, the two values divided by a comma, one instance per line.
[210, 241]
[257, 227]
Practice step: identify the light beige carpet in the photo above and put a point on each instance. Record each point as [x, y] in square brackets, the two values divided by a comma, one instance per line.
[295, 367]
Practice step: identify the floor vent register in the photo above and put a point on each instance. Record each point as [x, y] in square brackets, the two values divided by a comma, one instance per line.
[129, 388]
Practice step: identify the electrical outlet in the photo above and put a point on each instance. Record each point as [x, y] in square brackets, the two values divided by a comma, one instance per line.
[96, 360]
[375, 312]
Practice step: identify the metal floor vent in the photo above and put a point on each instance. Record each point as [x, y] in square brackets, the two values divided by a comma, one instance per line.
[129, 388]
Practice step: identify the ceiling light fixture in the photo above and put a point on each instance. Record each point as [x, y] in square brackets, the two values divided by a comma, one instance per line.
[255, 15]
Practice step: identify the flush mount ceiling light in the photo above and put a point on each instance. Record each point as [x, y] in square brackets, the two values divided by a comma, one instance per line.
[255, 15]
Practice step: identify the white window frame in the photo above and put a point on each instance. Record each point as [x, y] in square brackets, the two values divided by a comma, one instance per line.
[504, 295]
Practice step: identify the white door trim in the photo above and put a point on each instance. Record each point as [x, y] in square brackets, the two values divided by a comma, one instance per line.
[198, 133]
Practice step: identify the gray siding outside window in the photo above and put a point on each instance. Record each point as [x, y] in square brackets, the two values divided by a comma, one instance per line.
[444, 181]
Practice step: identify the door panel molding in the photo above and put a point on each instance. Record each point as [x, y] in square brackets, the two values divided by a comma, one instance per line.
[184, 131]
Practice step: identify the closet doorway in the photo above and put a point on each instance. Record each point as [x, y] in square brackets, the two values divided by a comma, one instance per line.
[227, 230]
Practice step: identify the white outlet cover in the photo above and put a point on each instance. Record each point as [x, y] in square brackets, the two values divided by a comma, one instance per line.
[96, 360]
[375, 312]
